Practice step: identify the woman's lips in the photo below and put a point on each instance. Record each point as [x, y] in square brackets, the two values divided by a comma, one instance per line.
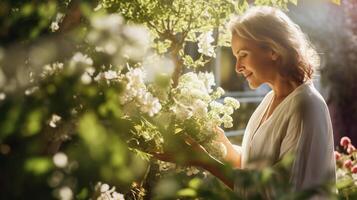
[248, 75]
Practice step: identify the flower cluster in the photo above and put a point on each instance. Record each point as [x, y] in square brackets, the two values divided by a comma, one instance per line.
[104, 192]
[195, 99]
[112, 37]
[346, 162]
[205, 46]
[135, 90]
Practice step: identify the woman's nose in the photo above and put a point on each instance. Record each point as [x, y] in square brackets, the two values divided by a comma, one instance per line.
[239, 67]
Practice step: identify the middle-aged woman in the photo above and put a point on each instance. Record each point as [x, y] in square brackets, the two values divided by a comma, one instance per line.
[291, 119]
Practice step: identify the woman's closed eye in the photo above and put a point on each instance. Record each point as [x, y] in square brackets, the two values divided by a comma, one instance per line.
[242, 54]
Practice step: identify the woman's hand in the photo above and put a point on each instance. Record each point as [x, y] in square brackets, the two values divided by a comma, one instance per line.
[191, 153]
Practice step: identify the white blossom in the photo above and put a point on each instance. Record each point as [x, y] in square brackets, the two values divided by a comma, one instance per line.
[216, 106]
[54, 25]
[232, 102]
[199, 108]
[110, 74]
[150, 104]
[227, 121]
[156, 65]
[78, 57]
[54, 120]
[51, 69]
[181, 112]
[205, 46]
[2, 96]
[218, 93]
[65, 193]
[60, 159]
[139, 41]
[31, 90]
[86, 78]
[136, 90]
[208, 80]
[192, 171]
[104, 192]
[110, 23]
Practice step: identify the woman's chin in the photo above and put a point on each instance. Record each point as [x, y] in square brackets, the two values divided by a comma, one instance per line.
[253, 85]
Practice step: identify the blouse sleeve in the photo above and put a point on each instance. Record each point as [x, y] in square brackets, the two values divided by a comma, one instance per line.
[309, 139]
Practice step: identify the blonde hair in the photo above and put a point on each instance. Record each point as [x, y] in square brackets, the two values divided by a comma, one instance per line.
[272, 28]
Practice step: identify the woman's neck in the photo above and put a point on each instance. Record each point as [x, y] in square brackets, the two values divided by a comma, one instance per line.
[282, 87]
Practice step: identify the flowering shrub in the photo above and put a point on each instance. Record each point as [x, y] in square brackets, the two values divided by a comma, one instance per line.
[346, 163]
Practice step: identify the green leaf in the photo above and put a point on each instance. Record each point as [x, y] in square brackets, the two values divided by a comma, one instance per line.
[38, 165]
[187, 192]
[195, 183]
[33, 123]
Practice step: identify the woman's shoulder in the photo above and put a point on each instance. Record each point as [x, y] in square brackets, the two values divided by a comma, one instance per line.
[308, 99]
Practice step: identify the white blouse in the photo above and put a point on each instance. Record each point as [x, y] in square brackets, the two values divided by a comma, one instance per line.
[300, 125]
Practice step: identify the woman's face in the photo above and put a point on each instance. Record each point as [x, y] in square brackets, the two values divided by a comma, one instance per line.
[255, 63]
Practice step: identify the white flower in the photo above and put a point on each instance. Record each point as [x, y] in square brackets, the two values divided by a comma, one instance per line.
[60, 159]
[51, 69]
[155, 66]
[104, 187]
[86, 79]
[111, 23]
[117, 196]
[105, 193]
[218, 93]
[31, 90]
[199, 108]
[182, 112]
[78, 57]
[54, 119]
[227, 121]
[205, 41]
[2, 96]
[65, 193]
[216, 106]
[191, 171]
[208, 79]
[139, 41]
[90, 70]
[54, 26]
[110, 74]
[150, 104]
[227, 110]
[232, 102]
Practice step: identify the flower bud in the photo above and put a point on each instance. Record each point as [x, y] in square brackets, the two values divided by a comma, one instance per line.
[345, 141]
[350, 149]
[348, 163]
[354, 169]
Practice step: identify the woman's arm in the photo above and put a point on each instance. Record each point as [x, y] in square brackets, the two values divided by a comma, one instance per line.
[200, 158]
[223, 172]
